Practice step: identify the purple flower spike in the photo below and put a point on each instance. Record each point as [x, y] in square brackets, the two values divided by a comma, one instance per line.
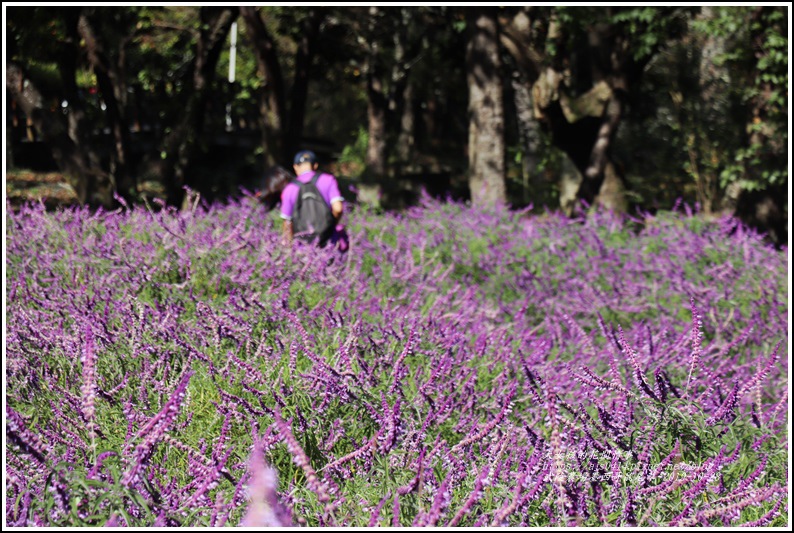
[153, 431]
[264, 508]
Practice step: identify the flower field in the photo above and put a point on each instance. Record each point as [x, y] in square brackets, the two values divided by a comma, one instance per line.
[456, 367]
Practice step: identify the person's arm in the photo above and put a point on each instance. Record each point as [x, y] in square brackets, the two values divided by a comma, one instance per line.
[335, 199]
[337, 209]
[288, 196]
[286, 234]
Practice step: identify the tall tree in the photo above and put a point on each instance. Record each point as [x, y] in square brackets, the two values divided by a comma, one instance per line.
[33, 58]
[111, 78]
[401, 102]
[272, 100]
[182, 143]
[755, 55]
[307, 41]
[486, 109]
[585, 63]
[282, 102]
[377, 102]
[91, 184]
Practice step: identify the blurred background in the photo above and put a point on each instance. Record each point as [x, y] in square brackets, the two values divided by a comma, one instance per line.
[548, 107]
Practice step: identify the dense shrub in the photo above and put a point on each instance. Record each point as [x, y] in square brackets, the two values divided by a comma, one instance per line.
[455, 367]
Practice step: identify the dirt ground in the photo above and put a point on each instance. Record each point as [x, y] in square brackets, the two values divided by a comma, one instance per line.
[48, 187]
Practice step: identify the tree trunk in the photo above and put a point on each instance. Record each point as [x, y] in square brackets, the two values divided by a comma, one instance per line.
[272, 101]
[581, 124]
[78, 126]
[406, 140]
[181, 144]
[377, 105]
[300, 87]
[569, 182]
[603, 184]
[402, 91]
[112, 89]
[584, 127]
[486, 122]
[91, 185]
[529, 136]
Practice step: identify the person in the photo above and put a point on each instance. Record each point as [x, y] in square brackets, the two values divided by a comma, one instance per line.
[272, 184]
[306, 167]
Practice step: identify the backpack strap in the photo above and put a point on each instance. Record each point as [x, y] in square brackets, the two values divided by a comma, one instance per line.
[313, 181]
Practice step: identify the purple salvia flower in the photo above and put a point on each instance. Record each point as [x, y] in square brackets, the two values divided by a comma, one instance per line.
[739, 340]
[344, 353]
[416, 481]
[408, 350]
[395, 521]
[373, 519]
[121, 386]
[705, 479]
[639, 378]
[726, 409]
[767, 518]
[170, 409]
[660, 386]
[731, 458]
[666, 461]
[209, 482]
[301, 330]
[562, 502]
[223, 438]
[697, 340]
[676, 521]
[248, 369]
[92, 474]
[88, 390]
[18, 434]
[598, 383]
[772, 416]
[440, 502]
[336, 433]
[74, 441]
[749, 480]
[352, 455]
[759, 495]
[387, 437]
[613, 364]
[627, 517]
[217, 511]
[293, 358]
[113, 521]
[506, 409]
[24, 510]
[300, 459]
[755, 499]
[762, 373]
[720, 488]
[156, 427]
[475, 495]
[500, 518]
[754, 416]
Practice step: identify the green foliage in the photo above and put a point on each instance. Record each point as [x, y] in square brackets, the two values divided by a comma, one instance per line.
[756, 55]
[354, 155]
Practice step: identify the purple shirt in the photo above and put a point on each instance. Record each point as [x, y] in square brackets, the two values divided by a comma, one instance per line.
[326, 184]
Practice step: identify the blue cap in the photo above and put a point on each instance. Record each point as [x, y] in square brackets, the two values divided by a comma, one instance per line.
[305, 156]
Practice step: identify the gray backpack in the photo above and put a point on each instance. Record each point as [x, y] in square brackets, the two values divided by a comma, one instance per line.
[312, 219]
